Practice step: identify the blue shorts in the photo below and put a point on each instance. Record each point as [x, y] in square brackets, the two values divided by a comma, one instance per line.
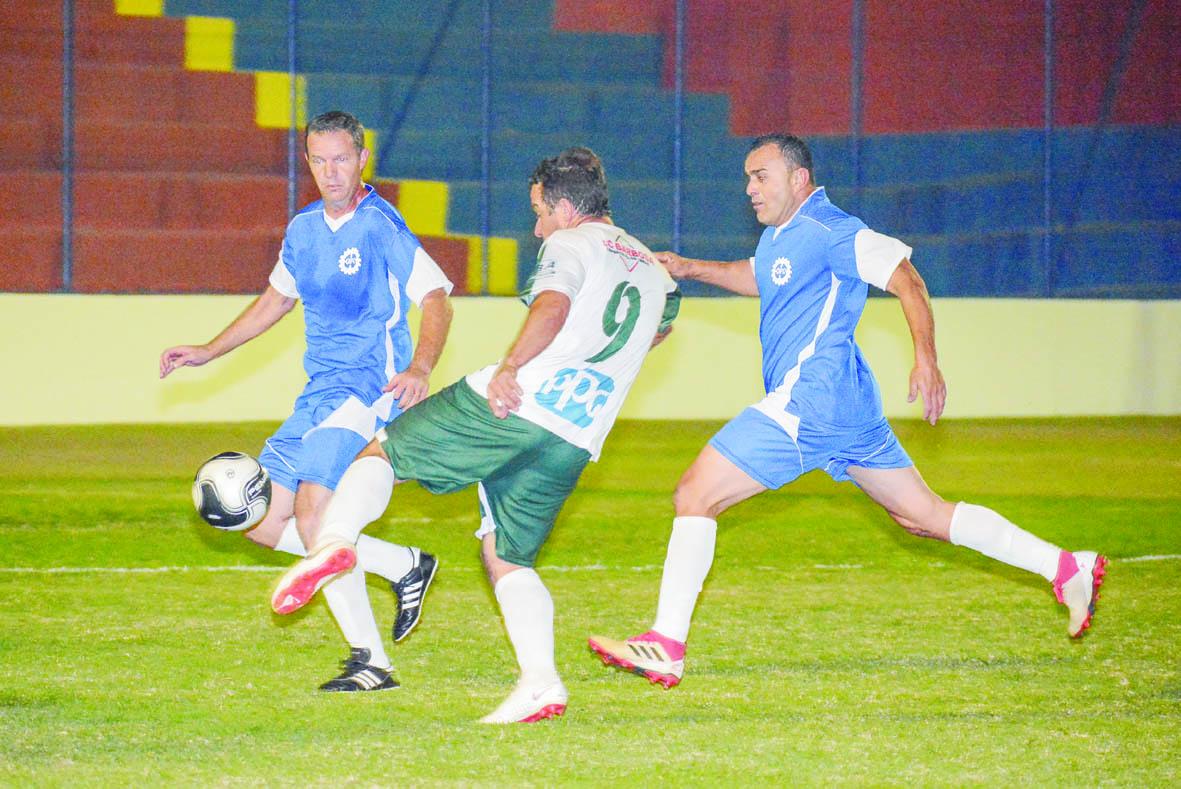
[764, 450]
[322, 437]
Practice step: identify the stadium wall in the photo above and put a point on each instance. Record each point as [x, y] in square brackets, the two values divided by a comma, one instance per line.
[74, 359]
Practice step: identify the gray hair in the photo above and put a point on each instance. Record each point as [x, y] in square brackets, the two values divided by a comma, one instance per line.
[334, 121]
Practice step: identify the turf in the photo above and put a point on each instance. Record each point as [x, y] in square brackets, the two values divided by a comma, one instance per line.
[829, 646]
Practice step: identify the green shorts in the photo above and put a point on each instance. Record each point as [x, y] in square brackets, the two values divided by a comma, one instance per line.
[451, 440]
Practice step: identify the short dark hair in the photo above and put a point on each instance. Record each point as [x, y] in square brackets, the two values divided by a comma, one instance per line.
[793, 149]
[577, 175]
[336, 120]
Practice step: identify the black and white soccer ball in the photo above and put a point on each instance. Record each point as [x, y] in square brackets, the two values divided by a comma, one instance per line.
[232, 491]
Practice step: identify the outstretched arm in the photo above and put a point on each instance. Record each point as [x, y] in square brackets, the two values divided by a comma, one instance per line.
[263, 313]
[412, 384]
[547, 315]
[925, 378]
[735, 276]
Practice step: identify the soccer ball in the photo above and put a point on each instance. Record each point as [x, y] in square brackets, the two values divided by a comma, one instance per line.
[232, 491]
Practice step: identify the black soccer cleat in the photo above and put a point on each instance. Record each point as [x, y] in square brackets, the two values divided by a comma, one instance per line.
[359, 675]
[410, 590]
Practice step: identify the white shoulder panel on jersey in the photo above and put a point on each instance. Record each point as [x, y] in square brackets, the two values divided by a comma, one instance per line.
[282, 281]
[561, 266]
[425, 276]
[877, 256]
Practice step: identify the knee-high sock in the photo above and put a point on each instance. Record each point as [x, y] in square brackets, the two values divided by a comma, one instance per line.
[348, 600]
[690, 555]
[983, 530]
[528, 612]
[380, 557]
[360, 498]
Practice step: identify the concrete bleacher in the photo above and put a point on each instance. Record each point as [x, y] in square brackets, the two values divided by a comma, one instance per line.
[176, 188]
[970, 201]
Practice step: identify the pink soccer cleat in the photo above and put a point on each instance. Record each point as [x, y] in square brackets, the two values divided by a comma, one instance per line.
[299, 584]
[529, 704]
[661, 660]
[1080, 574]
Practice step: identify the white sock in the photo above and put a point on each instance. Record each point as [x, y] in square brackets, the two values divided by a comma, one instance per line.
[289, 540]
[387, 559]
[983, 530]
[348, 600]
[528, 612]
[360, 498]
[380, 557]
[690, 555]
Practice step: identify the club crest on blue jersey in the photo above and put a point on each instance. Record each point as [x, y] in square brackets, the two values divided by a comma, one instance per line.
[781, 271]
[350, 261]
[576, 395]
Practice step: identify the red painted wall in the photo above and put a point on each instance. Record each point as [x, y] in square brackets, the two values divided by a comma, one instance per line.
[929, 64]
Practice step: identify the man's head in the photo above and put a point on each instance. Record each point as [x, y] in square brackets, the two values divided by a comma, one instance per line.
[567, 189]
[778, 177]
[336, 153]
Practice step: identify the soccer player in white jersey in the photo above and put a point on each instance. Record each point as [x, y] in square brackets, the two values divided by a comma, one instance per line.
[356, 266]
[811, 272]
[524, 428]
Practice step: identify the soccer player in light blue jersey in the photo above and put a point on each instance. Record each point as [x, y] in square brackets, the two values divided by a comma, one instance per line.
[811, 272]
[357, 268]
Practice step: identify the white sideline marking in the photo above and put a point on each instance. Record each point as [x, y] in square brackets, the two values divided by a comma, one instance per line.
[265, 568]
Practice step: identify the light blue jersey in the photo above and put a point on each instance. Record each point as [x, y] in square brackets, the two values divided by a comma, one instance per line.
[356, 276]
[823, 408]
[812, 274]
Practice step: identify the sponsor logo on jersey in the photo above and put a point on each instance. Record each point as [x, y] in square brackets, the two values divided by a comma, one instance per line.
[781, 271]
[350, 261]
[632, 257]
[576, 395]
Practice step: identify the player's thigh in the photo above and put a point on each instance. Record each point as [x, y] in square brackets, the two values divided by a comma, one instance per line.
[713, 484]
[906, 496]
[521, 502]
[268, 531]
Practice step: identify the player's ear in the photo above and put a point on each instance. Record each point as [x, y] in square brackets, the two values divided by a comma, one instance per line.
[566, 211]
[364, 157]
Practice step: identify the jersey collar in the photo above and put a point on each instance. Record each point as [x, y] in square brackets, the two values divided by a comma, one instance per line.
[819, 192]
[338, 223]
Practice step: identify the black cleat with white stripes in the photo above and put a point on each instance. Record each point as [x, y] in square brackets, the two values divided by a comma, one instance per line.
[359, 675]
[410, 590]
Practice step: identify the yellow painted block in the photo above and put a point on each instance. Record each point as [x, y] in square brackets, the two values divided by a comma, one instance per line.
[502, 266]
[139, 7]
[209, 43]
[423, 204]
[272, 100]
[371, 165]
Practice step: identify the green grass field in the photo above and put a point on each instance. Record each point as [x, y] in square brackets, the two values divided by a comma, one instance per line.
[829, 647]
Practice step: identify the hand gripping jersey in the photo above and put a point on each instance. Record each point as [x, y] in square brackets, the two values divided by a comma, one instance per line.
[812, 274]
[618, 296]
[356, 276]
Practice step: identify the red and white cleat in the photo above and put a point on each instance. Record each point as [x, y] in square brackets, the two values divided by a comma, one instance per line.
[658, 658]
[1080, 574]
[299, 584]
[529, 704]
